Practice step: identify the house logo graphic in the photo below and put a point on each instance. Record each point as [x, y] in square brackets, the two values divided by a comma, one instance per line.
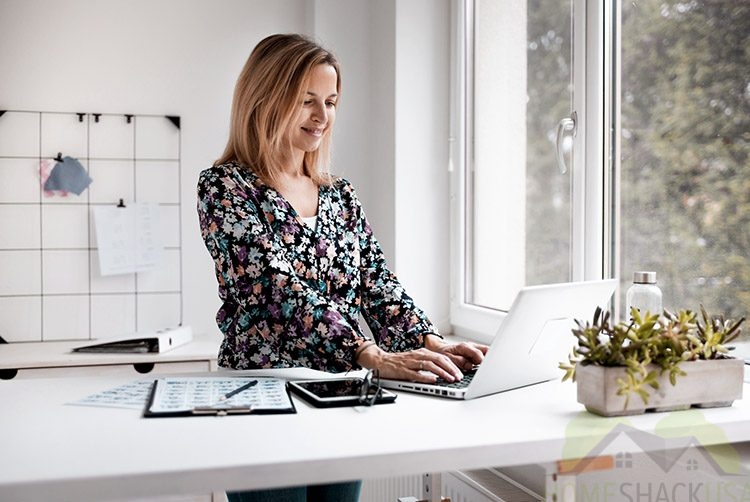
[685, 458]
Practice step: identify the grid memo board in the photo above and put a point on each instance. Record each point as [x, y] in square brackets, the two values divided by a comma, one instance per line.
[50, 286]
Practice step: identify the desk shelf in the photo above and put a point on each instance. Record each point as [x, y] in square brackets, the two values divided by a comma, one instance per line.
[56, 359]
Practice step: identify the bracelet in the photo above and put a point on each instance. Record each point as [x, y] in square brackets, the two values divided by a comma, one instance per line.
[424, 337]
[362, 348]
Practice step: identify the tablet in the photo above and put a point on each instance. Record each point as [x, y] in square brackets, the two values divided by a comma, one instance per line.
[336, 392]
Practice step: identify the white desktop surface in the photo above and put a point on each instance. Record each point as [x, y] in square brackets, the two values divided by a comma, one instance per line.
[50, 450]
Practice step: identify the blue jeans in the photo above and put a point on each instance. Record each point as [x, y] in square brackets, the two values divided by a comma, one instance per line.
[338, 492]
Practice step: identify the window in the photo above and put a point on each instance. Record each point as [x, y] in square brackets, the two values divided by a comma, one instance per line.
[593, 139]
[684, 133]
[520, 215]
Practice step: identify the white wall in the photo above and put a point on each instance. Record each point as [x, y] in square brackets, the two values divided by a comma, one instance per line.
[181, 57]
[398, 52]
[422, 129]
[347, 27]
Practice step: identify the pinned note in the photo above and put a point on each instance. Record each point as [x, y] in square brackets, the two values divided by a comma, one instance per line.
[67, 175]
[128, 238]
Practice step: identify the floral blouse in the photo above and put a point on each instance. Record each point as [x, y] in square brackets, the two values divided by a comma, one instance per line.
[292, 295]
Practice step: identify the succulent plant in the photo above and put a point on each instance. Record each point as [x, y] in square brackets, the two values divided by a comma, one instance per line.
[649, 345]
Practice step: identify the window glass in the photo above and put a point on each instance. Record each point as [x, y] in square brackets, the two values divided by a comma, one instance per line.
[685, 151]
[519, 202]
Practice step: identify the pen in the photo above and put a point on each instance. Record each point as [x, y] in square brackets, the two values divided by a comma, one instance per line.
[238, 390]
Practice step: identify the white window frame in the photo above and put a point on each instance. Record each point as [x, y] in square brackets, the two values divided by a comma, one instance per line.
[591, 196]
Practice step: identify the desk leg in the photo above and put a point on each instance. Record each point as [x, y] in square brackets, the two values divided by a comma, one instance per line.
[431, 489]
[561, 488]
[562, 476]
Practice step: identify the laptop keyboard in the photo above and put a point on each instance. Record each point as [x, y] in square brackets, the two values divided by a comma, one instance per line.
[464, 382]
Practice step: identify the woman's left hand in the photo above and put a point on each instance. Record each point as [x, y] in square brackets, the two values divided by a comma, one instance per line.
[465, 355]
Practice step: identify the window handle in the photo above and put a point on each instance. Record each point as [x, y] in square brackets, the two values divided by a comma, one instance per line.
[566, 124]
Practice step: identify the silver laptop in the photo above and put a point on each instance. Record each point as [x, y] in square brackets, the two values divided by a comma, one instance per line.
[533, 338]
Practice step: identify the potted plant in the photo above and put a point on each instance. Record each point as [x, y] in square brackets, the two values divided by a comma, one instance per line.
[653, 362]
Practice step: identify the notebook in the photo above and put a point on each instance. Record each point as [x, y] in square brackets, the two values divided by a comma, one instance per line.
[533, 338]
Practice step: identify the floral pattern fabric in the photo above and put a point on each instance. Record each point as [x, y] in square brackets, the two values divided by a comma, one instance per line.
[293, 295]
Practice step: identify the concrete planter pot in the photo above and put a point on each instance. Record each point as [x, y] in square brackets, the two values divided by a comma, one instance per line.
[708, 384]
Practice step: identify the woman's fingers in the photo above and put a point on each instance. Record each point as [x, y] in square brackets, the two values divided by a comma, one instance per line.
[442, 366]
[419, 365]
[425, 365]
[460, 361]
[473, 352]
[465, 355]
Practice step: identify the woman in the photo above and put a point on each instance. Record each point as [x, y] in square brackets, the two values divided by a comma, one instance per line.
[296, 259]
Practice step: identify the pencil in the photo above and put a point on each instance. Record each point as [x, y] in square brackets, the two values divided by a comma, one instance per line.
[238, 390]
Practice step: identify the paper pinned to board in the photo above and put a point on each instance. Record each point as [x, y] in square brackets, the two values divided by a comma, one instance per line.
[67, 175]
[128, 238]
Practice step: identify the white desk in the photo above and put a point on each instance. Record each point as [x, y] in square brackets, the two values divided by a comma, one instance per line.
[53, 451]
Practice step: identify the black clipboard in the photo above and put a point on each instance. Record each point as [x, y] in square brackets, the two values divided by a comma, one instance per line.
[218, 396]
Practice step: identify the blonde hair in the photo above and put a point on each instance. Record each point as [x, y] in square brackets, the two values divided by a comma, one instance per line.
[266, 99]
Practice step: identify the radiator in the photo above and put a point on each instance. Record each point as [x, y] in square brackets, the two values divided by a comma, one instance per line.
[481, 485]
[390, 489]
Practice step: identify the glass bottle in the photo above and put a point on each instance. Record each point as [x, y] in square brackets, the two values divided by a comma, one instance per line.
[644, 294]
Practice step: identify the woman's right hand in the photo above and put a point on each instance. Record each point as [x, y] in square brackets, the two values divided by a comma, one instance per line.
[420, 365]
